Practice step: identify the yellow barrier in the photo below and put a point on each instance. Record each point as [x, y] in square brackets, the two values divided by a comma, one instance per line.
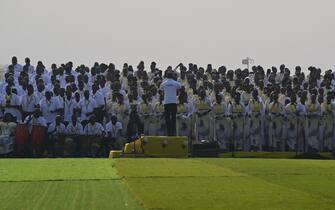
[155, 146]
[115, 154]
[163, 146]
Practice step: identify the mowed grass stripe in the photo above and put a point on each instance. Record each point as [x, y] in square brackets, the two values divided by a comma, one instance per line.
[167, 168]
[221, 193]
[62, 184]
[311, 176]
[56, 169]
[205, 189]
[316, 185]
[275, 166]
[66, 195]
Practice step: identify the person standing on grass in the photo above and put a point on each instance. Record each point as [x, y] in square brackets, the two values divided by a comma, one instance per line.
[170, 88]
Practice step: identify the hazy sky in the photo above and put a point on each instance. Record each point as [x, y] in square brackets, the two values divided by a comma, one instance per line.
[221, 32]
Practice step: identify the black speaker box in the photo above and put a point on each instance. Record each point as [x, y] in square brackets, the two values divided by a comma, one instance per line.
[206, 150]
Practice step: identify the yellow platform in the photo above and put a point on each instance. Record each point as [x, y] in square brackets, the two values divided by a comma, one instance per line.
[158, 146]
[115, 154]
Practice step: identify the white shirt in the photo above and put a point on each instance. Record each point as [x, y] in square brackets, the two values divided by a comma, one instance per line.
[95, 129]
[29, 102]
[314, 109]
[7, 128]
[86, 106]
[261, 105]
[104, 91]
[69, 106]
[36, 121]
[54, 129]
[74, 129]
[170, 88]
[60, 101]
[3, 87]
[99, 99]
[16, 87]
[113, 129]
[47, 107]
[40, 95]
[49, 87]
[31, 120]
[17, 68]
[20, 91]
[301, 109]
[14, 101]
[31, 69]
[46, 77]
[61, 79]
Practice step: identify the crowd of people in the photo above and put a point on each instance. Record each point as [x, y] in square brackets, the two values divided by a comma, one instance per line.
[251, 110]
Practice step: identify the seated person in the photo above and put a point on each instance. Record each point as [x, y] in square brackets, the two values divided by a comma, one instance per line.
[57, 127]
[7, 133]
[7, 125]
[11, 103]
[55, 140]
[94, 131]
[75, 129]
[94, 128]
[35, 119]
[113, 133]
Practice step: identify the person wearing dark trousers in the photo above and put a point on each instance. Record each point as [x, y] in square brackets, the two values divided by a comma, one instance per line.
[135, 127]
[170, 88]
[170, 112]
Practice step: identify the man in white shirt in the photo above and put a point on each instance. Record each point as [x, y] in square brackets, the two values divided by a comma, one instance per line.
[12, 104]
[58, 97]
[75, 129]
[40, 93]
[113, 135]
[49, 107]
[31, 69]
[17, 67]
[56, 130]
[302, 124]
[87, 106]
[22, 87]
[99, 101]
[314, 113]
[35, 119]
[94, 128]
[104, 89]
[70, 105]
[95, 132]
[170, 88]
[29, 102]
[57, 127]
[7, 134]
[113, 128]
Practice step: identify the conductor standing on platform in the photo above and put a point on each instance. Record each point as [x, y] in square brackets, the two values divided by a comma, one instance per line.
[170, 88]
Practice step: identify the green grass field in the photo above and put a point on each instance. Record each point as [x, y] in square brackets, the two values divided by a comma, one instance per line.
[217, 183]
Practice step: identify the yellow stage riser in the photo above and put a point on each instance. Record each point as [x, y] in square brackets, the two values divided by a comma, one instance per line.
[158, 146]
[161, 146]
[115, 154]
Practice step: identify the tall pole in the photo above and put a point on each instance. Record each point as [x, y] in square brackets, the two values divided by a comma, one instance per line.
[247, 62]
